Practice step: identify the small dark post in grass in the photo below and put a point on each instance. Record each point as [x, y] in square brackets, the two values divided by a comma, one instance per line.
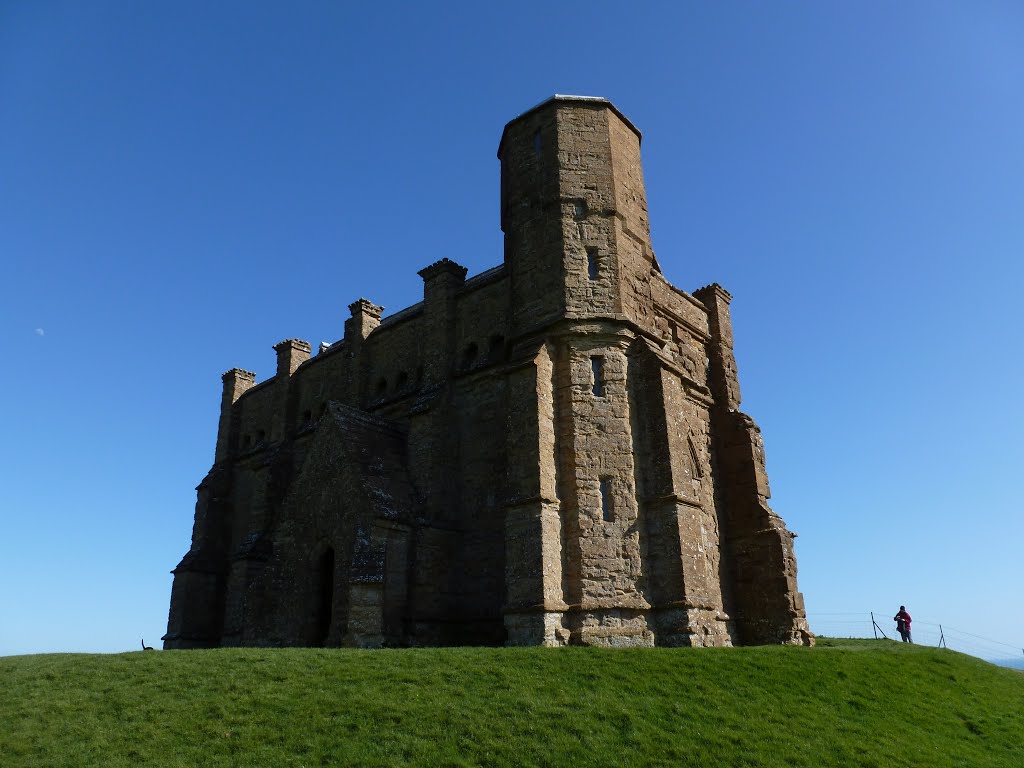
[942, 638]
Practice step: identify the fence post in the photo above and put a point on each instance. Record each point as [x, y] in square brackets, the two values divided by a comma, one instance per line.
[942, 638]
[876, 629]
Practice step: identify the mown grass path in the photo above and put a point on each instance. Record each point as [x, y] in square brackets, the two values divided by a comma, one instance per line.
[844, 703]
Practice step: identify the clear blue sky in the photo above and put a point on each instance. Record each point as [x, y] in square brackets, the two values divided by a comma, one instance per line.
[184, 184]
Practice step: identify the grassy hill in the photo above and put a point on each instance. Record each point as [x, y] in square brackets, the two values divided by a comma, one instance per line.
[844, 703]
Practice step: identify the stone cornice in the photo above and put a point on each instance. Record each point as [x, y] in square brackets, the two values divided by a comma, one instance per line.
[365, 306]
[442, 267]
[569, 100]
[238, 373]
[305, 346]
[715, 288]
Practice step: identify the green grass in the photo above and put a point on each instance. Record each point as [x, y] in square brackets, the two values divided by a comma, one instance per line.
[844, 703]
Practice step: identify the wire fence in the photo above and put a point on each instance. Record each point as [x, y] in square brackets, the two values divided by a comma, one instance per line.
[878, 624]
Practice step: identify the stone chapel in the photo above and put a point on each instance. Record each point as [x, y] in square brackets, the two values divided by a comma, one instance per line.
[550, 452]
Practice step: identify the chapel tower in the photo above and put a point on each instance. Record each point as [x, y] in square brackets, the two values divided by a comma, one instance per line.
[648, 506]
[574, 211]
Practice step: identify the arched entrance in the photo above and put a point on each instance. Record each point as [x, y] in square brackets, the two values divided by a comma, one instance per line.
[324, 596]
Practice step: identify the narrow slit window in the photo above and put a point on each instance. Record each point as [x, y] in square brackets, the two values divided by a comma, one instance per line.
[607, 503]
[469, 355]
[579, 209]
[497, 350]
[597, 368]
[537, 143]
[592, 263]
[694, 460]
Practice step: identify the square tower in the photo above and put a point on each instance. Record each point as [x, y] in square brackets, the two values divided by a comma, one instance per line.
[574, 212]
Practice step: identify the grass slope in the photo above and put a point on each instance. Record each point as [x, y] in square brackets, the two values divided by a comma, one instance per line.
[844, 703]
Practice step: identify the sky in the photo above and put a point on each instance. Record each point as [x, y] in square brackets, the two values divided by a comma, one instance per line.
[185, 184]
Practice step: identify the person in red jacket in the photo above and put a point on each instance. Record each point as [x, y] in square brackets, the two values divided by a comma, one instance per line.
[903, 620]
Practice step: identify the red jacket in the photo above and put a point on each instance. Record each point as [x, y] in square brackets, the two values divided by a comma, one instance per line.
[904, 617]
